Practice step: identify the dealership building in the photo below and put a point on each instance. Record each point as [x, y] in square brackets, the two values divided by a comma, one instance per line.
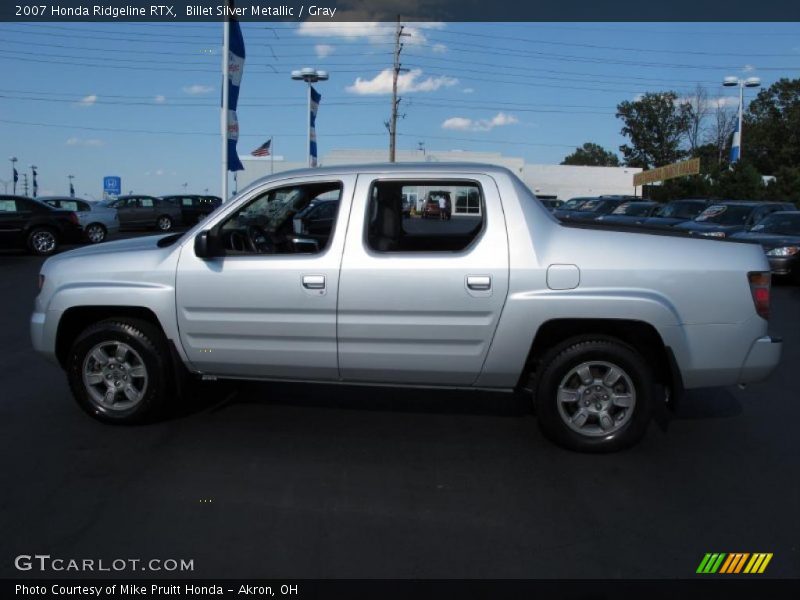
[557, 181]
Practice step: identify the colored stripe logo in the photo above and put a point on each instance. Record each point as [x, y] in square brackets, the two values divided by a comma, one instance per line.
[734, 563]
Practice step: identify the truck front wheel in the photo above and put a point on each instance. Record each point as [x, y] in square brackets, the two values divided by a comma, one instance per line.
[594, 395]
[118, 370]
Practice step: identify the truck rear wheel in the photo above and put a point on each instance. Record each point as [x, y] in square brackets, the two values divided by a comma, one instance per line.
[119, 369]
[594, 395]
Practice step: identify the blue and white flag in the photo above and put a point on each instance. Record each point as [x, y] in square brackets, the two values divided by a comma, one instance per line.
[235, 70]
[736, 144]
[35, 185]
[71, 190]
[312, 124]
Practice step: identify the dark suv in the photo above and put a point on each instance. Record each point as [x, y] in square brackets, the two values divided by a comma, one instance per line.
[316, 220]
[725, 218]
[193, 207]
[35, 226]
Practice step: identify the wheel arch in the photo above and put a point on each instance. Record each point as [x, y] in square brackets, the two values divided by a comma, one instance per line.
[76, 319]
[640, 335]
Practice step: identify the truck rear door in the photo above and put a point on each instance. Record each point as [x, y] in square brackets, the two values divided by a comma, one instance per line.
[420, 299]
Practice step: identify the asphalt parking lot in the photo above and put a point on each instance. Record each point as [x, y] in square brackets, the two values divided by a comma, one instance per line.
[315, 481]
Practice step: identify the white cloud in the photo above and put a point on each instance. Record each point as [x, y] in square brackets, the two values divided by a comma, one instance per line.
[406, 82]
[439, 48]
[501, 119]
[715, 102]
[87, 101]
[323, 50]
[160, 99]
[370, 31]
[468, 91]
[748, 69]
[197, 89]
[76, 141]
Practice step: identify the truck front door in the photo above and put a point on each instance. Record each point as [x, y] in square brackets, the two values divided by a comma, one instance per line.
[266, 306]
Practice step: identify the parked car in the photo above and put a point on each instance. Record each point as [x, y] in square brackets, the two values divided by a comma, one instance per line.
[672, 213]
[629, 213]
[98, 221]
[551, 204]
[194, 208]
[594, 324]
[317, 219]
[432, 208]
[779, 235]
[723, 219]
[591, 209]
[29, 224]
[145, 211]
[572, 204]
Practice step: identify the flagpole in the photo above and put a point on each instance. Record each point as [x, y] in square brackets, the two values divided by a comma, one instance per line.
[271, 156]
[224, 111]
[308, 145]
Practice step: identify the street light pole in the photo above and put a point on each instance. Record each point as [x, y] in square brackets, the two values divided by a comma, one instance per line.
[13, 160]
[750, 82]
[71, 189]
[34, 183]
[310, 76]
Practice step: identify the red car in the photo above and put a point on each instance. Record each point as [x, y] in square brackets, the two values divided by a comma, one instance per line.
[431, 209]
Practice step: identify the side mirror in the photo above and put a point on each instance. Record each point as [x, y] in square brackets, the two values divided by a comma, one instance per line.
[204, 246]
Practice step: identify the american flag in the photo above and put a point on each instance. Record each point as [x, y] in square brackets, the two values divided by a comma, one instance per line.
[263, 149]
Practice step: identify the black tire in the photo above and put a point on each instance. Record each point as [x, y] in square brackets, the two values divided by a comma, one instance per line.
[148, 342]
[557, 364]
[164, 223]
[96, 233]
[42, 241]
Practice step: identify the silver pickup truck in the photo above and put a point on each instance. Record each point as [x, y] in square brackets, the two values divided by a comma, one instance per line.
[598, 326]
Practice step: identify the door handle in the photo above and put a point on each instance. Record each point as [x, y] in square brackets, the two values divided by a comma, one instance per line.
[479, 283]
[314, 282]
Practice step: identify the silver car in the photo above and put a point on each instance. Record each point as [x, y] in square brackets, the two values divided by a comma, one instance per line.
[98, 221]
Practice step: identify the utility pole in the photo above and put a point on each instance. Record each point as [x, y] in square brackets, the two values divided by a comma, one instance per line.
[398, 48]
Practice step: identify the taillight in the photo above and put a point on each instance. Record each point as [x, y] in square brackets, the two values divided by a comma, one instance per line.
[760, 289]
[73, 217]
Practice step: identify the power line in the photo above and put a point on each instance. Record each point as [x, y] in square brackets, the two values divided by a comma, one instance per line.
[616, 48]
[165, 132]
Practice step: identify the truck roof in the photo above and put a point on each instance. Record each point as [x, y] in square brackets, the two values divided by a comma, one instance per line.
[424, 167]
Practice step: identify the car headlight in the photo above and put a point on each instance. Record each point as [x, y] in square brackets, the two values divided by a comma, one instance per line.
[714, 234]
[784, 251]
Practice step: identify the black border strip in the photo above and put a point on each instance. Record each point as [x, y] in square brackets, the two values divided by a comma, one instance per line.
[421, 10]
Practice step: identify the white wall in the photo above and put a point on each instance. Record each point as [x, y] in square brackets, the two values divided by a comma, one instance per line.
[565, 181]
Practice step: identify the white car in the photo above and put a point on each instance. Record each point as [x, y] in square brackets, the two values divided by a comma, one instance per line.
[98, 221]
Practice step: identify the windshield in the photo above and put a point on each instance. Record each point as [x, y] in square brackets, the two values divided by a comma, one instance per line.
[573, 204]
[788, 224]
[682, 210]
[632, 209]
[598, 205]
[725, 214]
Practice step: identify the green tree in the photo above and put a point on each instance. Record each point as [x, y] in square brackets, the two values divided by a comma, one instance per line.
[741, 182]
[592, 155]
[771, 131]
[786, 185]
[655, 124]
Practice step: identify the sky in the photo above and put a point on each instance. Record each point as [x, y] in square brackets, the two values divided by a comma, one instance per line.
[141, 101]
